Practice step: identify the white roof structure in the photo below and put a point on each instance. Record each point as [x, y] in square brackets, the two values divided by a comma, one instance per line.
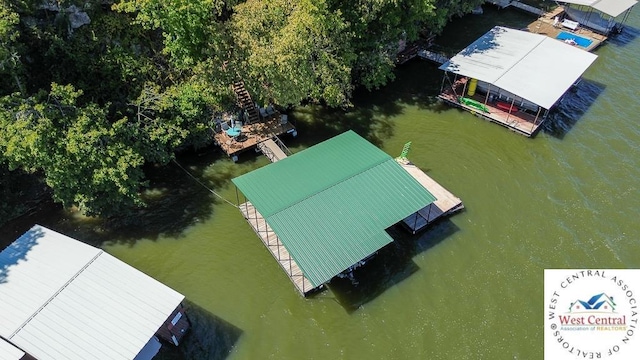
[63, 299]
[9, 352]
[532, 66]
[610, 7]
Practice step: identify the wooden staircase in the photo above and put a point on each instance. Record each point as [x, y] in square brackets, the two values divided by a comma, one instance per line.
[245, 102]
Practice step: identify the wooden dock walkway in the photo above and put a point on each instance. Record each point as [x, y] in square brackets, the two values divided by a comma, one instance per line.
[446, 203]
[436, 57]
[271, 150]
[252, 135]
[528, 8]
[277, 249]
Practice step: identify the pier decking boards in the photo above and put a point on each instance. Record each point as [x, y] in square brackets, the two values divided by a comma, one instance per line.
[252, 135]
[63, 299]
[446, 203]
[517, 68]
[329, 206]
[546, 25]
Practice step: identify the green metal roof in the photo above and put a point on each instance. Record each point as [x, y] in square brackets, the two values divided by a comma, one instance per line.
[330, 204]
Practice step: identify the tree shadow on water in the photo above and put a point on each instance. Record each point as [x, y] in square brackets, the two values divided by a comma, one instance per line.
[390, 265]
[571, 107]
[209, 338]
[316, 124]
[175, 201]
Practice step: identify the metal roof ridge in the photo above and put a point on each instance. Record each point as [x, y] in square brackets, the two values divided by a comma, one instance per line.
[331, 186]
[521, 58]
[100, 252]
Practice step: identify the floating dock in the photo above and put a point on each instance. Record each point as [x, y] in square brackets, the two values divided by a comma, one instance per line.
[521, 122]
[446, 203]
[547, 25]
[252, 135]
[276, 248]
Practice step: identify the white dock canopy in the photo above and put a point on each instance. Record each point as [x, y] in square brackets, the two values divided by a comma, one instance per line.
[9, 352]
[63, 299]
[532, 66]
[610, 7]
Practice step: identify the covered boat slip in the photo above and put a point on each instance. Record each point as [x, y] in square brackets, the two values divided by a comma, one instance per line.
[602, 16]
[63, 299]
[327, 208]
[551, 25]
[513, 77]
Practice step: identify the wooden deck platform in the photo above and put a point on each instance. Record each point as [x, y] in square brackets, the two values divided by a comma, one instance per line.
[446, 203]
[544, 26]
[271, 150]
[277, 249]
[252, 135]
[519, 121]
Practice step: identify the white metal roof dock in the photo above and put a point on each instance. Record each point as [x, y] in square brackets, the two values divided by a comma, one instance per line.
[9, 352]
[63, 299]
[610, 7]
[525, 69]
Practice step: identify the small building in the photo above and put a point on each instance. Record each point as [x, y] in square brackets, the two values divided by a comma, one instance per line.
[513, 77]
[602, 16]
[325, 209]
[63, 299]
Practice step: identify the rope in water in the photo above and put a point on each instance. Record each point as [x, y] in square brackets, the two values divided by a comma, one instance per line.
[205, 186]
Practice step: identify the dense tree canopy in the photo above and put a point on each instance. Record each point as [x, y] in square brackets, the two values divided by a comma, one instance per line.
[84, 105]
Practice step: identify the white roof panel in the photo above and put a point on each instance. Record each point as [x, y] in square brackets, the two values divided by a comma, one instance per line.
[9, 352]
[106, 309]
[532, 66]
[610, 7]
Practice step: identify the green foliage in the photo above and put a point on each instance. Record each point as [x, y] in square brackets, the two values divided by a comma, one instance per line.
[145, 77]
[86, 160]
[10, 65]
[293, 51]
[190, 28]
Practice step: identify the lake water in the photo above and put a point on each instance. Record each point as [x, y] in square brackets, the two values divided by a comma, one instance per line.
[468, 288]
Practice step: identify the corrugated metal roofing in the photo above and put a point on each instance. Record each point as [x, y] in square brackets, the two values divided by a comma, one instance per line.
[532, 66]
[63, 299]
[9, 352]
[354, 192]
[288, 181]
[610, 7]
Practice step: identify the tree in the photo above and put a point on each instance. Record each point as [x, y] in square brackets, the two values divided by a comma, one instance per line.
[86, 160]
[289, 52]
[9, 57]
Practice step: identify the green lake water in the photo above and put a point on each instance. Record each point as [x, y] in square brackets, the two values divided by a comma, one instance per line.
[468, 288]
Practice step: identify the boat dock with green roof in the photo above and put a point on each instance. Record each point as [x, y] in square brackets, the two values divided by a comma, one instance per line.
[326, 208]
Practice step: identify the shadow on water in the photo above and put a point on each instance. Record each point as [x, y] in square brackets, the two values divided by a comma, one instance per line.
[625, 37]
[391, 265]
[17, 251]
[174, 200]
[572, 107]
[210, 337]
